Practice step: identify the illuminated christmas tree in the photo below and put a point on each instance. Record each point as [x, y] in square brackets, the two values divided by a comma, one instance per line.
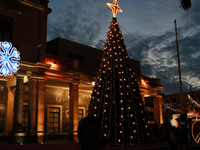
[116, 100]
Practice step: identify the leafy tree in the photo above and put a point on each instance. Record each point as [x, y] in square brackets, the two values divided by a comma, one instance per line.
[185, 4]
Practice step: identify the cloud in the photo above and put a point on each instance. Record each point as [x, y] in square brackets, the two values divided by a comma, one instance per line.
[151, 37]
[158, 56]
[75, 23]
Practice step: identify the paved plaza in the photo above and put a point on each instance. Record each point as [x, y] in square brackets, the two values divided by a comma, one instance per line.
[65, 145]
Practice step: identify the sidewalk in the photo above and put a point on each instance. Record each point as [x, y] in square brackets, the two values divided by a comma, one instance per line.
[63, 144]
[66, 145]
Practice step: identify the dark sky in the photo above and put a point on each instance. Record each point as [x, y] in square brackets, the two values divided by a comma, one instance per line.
[148, 31]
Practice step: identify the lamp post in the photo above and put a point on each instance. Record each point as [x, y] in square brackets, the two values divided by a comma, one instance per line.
[179, 70]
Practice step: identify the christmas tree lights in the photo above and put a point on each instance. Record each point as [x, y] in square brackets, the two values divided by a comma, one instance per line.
[116, 100]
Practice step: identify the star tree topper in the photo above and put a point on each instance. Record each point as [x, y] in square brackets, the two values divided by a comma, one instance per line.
[115, 8]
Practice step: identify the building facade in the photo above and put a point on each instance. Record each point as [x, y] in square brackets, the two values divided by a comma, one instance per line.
[50, 93]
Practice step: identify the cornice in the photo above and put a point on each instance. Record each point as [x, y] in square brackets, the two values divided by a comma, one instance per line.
[37, 6]
[34, 65]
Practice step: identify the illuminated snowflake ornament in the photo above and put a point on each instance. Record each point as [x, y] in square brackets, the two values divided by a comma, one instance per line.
[9, 57]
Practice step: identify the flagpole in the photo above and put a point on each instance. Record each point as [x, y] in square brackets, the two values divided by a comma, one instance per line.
[179, 70]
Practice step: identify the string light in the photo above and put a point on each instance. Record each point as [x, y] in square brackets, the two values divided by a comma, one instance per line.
[119, 104]
[196, 139]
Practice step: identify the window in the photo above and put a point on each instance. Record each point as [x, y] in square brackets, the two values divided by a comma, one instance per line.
[6, 28]
[54, 120]
[25, 117]
[75, 63]
[75, 56]
[80, 114]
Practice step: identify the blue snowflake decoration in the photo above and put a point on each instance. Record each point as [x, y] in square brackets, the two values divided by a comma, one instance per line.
[9, 57]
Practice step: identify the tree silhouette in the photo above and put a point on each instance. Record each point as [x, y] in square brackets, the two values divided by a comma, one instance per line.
[185, 4]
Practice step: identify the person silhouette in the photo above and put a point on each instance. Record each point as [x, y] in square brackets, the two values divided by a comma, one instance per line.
[82, 135]
[93, 131]
[155, 130]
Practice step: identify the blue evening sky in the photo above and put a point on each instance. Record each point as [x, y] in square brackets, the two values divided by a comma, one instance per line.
[148, 31]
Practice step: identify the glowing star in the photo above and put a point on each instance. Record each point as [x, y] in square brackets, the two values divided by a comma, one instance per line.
[9, 57]
[115, 8]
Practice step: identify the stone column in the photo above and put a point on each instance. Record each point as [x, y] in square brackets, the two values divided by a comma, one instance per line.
[73, 111]
[143, 99]
[31, 129]
[158, 114]
[18, 105]
[36, 109]
[40, 105]
[17, 130]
